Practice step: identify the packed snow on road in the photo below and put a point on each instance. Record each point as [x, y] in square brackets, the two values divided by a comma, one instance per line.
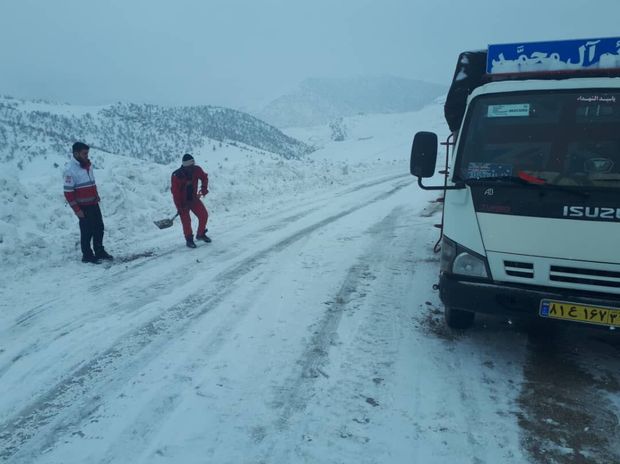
[307, 331]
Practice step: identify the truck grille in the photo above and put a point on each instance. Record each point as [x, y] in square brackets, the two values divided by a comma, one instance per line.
[585, 276]
[519, 269]
[555, 272]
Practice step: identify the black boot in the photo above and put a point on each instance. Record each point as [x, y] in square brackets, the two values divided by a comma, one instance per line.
[90, 259]
[189, 241]
[204, 238]
[102, 254]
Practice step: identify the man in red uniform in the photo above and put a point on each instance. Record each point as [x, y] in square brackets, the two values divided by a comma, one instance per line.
[81, 194]
[184, 187]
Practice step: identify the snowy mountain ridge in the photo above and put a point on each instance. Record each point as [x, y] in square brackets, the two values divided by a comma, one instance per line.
[318, 101]
[29, 130]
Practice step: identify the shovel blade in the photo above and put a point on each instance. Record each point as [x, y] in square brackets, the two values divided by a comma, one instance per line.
[163, 223]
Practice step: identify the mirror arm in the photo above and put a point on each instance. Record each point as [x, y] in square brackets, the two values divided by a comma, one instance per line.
[457, 186]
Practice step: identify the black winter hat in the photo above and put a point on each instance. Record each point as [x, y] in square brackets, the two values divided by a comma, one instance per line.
[188, 160]
[79, 146]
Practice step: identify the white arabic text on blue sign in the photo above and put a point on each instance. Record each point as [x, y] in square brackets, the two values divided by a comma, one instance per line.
[554, 56]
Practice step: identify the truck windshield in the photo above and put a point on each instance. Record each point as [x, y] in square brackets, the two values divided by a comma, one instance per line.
[568, 138]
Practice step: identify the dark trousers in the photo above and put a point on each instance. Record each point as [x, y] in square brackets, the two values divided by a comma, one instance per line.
[91, 228]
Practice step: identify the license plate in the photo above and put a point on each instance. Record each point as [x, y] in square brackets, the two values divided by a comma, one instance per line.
[567, 311]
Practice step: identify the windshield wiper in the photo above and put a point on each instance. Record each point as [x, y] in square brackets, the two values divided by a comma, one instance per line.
[494, 179]
[538, 183]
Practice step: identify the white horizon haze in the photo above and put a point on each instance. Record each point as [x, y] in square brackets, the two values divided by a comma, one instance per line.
[243, 53]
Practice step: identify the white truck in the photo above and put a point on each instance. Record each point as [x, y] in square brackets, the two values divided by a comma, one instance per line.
[531, 215]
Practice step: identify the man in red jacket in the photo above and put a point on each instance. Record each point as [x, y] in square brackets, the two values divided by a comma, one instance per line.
[186, 197]
[81, 194]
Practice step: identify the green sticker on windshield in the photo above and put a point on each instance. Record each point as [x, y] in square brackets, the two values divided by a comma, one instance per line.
[505, 111]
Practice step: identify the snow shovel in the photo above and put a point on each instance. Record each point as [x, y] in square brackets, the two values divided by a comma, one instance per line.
[165, 223]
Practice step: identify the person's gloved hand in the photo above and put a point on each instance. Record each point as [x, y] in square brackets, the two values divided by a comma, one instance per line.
[80, 214]
[204, 191]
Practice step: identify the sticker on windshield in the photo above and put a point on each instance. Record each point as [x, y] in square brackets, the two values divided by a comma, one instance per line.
[505, 111]
[483, 170]
[597, 98]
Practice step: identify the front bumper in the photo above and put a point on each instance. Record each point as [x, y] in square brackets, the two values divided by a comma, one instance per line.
[511, 299]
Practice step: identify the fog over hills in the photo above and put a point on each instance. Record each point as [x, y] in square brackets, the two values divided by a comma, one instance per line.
[30, 129]
[318, 100]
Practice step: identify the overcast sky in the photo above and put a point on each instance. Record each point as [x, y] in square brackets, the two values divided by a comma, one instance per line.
[240, 53]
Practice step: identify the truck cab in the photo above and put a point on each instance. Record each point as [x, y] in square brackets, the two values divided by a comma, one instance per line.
[531, 219]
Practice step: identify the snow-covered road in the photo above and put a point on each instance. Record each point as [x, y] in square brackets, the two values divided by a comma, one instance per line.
[311, 334]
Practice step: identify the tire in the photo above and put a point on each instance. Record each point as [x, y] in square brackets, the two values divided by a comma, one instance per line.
[458, 319]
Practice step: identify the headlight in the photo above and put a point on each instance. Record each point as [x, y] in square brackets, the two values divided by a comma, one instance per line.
[469, 265]
[456, 259]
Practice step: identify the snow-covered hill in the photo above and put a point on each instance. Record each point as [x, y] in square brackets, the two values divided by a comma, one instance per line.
[31, 130]
[318, 101]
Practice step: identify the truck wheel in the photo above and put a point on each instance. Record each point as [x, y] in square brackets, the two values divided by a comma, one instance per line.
[458, 319]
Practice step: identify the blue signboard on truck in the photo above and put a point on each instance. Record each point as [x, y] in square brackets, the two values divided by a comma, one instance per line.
[562, 55]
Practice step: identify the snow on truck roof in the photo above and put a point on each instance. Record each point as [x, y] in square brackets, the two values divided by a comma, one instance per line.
[546, 84]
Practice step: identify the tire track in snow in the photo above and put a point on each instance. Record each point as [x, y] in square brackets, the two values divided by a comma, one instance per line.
[295, 394]
[321, 199]
[43, 422]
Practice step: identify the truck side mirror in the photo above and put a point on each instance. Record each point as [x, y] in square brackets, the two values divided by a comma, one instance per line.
[424, 154]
